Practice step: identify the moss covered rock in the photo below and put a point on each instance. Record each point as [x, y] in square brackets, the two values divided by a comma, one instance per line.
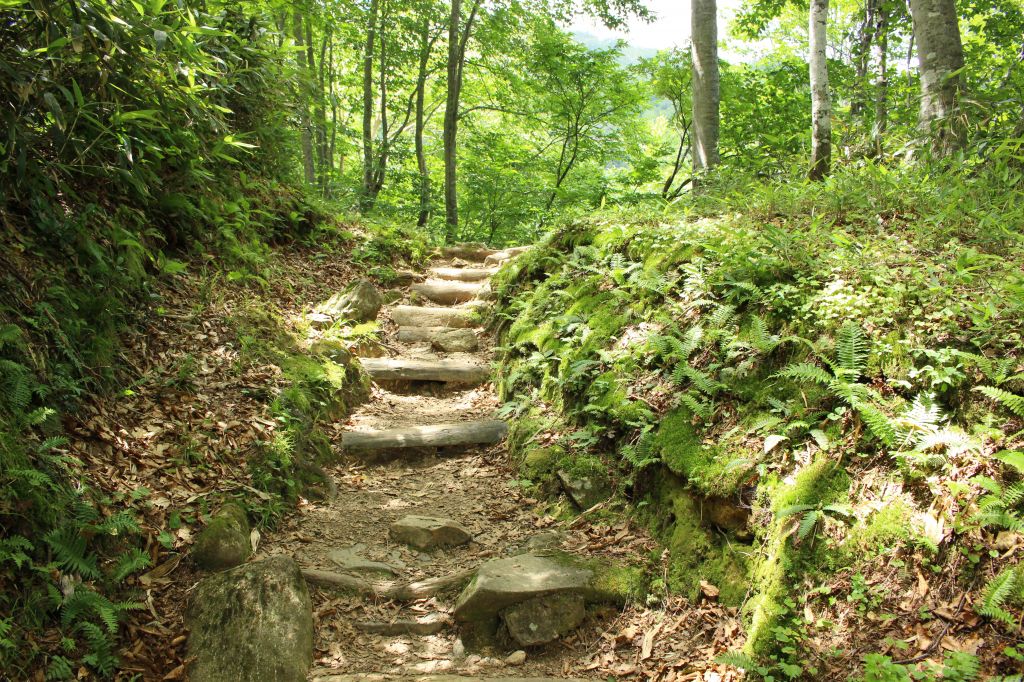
[251, 624]
[359, 303]
[224, 542]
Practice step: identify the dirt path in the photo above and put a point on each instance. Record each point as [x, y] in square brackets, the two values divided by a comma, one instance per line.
[361, 638]
[470, 485]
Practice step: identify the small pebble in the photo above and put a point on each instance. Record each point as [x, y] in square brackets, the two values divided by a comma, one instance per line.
[516, 658]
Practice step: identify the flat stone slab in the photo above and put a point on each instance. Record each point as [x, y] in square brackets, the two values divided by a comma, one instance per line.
[544, 619]
[349, 560]
[448, 292]
[503, 583]
[441, 338]
[418, 316]
[462, 274]
[381, 677]
[429, 532]
[448, 371]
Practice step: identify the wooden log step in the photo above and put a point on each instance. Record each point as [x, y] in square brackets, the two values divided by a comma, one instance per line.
[451, 371]
[470, 252]
[418, 316]
[441, 338]
[462, 274]
[448, 292]
[483, 432]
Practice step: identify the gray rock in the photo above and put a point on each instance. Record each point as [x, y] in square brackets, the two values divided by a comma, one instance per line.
[359, 303]
[547, 541]
[586, 490]
[250, 624]
[502, 583]
[455, 340]
[516, 658]
[544, 619]
[428, 532]
[350, 561]
[224, 542]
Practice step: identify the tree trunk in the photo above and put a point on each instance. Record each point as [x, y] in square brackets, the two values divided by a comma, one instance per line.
[320, 108]
[940, 57]
[451, 122]
[367, 199]
[304, 122]
[421, 157]
[821, 105]
[457, 40]
[881, 50]
[334, 116]
[704, 30]
[866, 34]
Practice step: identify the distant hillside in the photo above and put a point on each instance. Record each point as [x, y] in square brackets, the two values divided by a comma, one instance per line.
[631, 54]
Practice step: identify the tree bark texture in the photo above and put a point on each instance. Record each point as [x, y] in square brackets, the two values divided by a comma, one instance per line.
[704, 29]
[940, 57]
[821, 105]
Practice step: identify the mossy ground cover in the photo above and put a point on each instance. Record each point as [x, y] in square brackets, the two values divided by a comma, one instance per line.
[840, 361]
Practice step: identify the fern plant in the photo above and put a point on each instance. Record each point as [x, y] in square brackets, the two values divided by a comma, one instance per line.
[1002, 508]
[809, 517]
[847, 368]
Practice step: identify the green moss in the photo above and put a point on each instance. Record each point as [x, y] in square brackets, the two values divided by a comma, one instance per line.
[541, 461]
[885, 529]
[781, 563]
[710, 469]
[695, 552]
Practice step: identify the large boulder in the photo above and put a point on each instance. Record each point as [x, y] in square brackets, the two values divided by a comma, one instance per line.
[224, 542]
[250, 624]
[359, 303]
[428, 532]
[503, 583]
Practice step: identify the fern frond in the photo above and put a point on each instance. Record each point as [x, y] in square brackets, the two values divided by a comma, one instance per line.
[805, 371]
[807, 524]
[132, 561]
[70, 552]
[793, 510]
[737, 659]
[1014, 403]
[1015, 458]
[878, 422]
[852, 349]
[701, 380]
[704, 410]
[995, 594]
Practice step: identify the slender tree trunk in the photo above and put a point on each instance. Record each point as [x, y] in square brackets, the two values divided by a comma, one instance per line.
[866, 33]
[821, 105]
[421, 157]
[458, 36]
[304, 89]
[367, 199]
[381, 165]
[451, 122]
[320, 108]
[684, 140]
[334, 116]
[940, 57]
[881, 50]
[704, 31]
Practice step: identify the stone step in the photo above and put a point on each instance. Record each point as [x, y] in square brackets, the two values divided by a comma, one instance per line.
[482, 432]
[441, 338]
[500, 257]
[462, 274]
[447, 292]
[448, 371]
[470, 252]
[418, 316]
